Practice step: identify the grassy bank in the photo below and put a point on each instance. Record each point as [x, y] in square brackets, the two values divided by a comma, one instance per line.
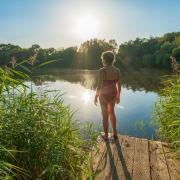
[167, 113]
[43, 140]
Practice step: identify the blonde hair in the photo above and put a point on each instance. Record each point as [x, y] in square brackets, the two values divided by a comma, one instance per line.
[108, 57]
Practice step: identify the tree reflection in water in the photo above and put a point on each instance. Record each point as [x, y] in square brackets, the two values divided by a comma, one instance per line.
[143, 79]
[139, 94]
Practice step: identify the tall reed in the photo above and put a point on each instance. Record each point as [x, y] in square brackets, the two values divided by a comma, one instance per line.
[45, 139]
[167, 112]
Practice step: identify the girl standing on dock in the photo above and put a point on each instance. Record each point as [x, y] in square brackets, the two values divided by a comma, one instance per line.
[108, 91]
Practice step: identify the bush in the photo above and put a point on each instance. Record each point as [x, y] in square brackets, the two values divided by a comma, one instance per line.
[167, 114]
[41, 131]
[176, 53]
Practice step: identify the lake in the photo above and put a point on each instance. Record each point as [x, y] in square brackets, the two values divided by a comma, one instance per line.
[138, 97]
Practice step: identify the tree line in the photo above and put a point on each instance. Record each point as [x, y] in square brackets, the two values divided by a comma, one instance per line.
[153, 52]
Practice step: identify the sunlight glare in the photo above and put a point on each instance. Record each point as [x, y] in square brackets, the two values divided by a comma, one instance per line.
[120, 106]
[86, 26]
[86, 97]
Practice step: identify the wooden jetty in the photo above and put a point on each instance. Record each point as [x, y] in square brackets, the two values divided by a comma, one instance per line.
[130, 158]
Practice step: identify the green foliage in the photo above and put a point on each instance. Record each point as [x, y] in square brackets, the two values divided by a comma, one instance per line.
[45, 139]
[167, 112]
[89, 53]
[154, 52]
[44, 131]
[148, 60]
[176, 53]
[7, 170]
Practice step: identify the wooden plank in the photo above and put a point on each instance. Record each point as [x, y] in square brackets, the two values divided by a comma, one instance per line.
[172, 164]
[107, 165]
[124, 157]
[97, 155]
[141, 170]
[110, 168]
[99, 174]
[134, 159]
[99, 160]
[128, 148]
[159, 170]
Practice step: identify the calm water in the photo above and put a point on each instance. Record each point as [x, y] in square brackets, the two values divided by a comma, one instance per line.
[138, 97]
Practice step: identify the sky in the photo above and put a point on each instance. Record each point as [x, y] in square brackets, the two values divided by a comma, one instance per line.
[64, 23]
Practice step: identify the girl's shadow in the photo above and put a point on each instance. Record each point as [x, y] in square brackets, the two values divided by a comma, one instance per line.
[120, 158]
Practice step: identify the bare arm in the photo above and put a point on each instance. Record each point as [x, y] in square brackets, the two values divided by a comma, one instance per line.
[100, 79]
[118, 86]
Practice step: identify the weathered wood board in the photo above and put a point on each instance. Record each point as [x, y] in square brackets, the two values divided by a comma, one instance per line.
[130, 158]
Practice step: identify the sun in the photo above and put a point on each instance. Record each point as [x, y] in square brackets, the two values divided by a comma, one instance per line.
[86, 26]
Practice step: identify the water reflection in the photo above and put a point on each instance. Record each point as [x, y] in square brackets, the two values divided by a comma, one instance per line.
[86, 97]
[137, 98]
[136, 79]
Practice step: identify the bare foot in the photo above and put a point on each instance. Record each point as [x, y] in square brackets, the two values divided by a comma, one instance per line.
[104, 137]
[115, 136]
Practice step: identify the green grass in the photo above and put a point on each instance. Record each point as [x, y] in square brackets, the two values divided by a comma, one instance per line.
[167, 112]
[7, 170]
[46, 142]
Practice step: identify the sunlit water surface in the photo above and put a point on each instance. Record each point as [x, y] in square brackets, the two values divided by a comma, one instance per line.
[134, 113]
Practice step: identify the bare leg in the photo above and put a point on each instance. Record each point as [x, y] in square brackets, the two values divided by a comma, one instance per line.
[112, 117]
[105, 115]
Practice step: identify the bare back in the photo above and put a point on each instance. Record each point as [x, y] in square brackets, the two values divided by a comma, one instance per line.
[111, 73]
[107, 73]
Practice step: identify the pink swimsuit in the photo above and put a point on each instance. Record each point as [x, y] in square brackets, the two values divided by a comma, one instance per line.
[108, 90]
